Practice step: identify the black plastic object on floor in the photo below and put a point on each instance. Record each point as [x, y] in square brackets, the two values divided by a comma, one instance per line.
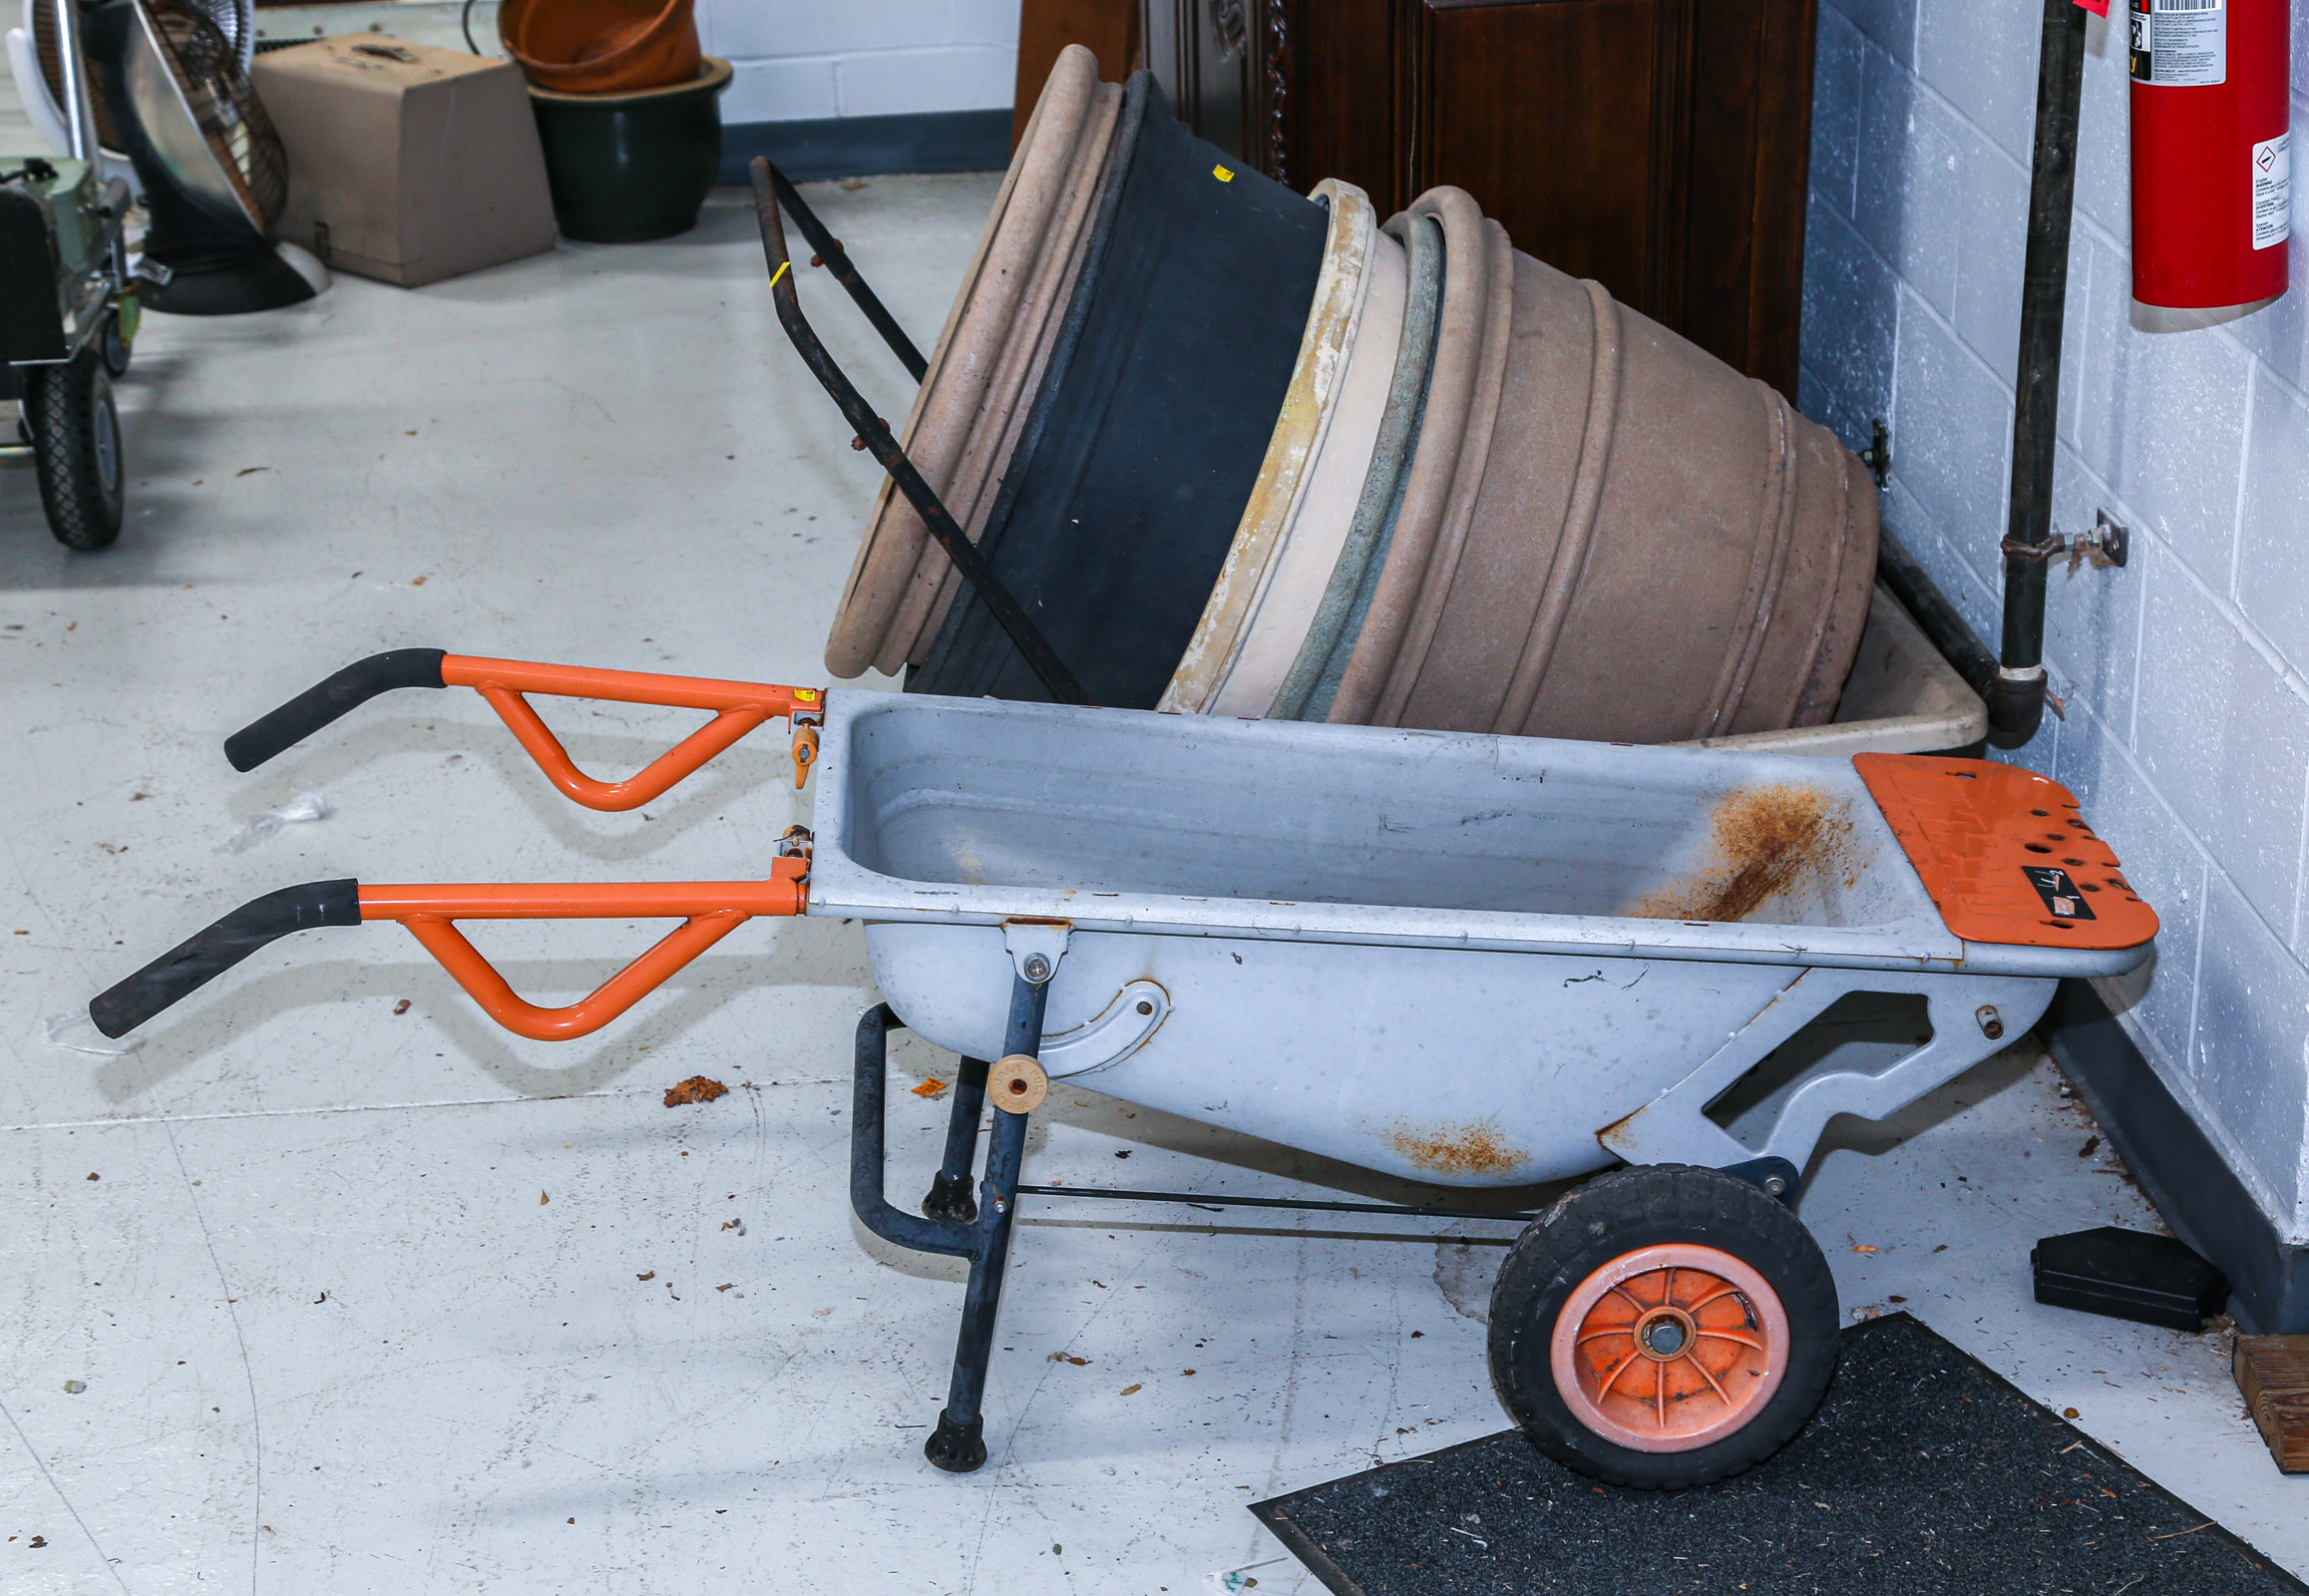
[1924, 1472]
[2128, 1274]
[1153, 415]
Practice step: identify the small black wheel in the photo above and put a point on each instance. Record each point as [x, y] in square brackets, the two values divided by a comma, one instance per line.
[113, 341]
[1662, 1327]
[76, 441]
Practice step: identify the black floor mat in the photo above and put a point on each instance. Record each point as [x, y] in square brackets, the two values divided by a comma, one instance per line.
[1923, 1473]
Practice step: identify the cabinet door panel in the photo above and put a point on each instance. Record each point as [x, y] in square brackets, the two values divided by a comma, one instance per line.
[1543, 110]
[1657, 146]
[1748, 150]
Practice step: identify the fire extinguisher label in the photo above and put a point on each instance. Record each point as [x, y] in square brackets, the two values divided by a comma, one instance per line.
[2272, 191]
[2180, 44]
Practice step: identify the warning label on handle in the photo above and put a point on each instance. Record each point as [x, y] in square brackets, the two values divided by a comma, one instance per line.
[2272, 162]
[2180, 44]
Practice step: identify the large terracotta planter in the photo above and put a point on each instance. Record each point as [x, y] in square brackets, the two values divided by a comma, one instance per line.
[1244, 454]
[1147, 434]
[1608, 533]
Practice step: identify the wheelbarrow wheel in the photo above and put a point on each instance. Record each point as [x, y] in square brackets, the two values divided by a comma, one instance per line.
[113, 340]
[76, 442]
[1662, 1327]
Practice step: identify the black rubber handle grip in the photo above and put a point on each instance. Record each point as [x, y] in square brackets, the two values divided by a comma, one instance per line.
[203, 958]
[343, 692]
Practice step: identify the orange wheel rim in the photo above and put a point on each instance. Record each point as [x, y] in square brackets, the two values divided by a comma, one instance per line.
[1668, 1348]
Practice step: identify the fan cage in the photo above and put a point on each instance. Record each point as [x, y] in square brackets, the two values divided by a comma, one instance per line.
[225, 104]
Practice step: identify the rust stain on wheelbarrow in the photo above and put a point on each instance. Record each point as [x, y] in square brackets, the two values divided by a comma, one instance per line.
[1766, 840]
[1470, 1149]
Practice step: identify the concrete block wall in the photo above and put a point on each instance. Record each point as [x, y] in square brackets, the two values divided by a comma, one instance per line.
[2185, 674]
[811, 60]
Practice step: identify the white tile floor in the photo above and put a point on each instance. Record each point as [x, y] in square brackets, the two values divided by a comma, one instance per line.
[358, 1300]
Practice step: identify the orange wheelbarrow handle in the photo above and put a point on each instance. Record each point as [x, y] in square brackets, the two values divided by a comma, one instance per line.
[739, 707]
[709, 910]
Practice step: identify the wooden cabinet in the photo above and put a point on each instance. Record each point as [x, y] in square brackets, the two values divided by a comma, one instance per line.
[1657, 146]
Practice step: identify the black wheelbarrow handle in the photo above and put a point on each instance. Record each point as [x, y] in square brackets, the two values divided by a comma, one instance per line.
[837, 261]
[342, 693]
[205, 955]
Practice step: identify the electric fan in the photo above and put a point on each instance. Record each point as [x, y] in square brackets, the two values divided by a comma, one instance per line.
[32, 58]
[176, 86]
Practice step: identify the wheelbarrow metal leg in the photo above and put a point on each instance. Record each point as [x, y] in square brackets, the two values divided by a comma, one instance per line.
[959, 1444]
[950, 1193]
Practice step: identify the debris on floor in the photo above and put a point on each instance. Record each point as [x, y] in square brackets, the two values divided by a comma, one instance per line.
[1227, 1581]
[303, 810]
[696, 1089]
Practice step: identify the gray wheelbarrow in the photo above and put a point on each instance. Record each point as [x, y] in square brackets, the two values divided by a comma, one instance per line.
[1471, 961]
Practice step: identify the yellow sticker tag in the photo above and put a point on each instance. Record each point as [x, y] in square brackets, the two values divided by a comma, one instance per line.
[1222, 173]
[806, 695]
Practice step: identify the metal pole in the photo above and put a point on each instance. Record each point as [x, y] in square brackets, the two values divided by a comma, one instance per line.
[71, 78]
[950, 1192]
[2015, 699]
[958, 1444]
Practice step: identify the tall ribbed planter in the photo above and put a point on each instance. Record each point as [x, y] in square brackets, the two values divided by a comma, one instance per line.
[1607, 533]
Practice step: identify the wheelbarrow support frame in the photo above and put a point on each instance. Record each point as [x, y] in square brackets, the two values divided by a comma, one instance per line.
[979, 1233]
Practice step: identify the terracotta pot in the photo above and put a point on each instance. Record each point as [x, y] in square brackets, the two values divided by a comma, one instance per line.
[1312, 685]
[1293, 532]
[1420, 480]
[1625, 541]
[602, 46]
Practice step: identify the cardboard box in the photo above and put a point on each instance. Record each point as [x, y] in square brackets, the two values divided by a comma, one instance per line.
[406, 162]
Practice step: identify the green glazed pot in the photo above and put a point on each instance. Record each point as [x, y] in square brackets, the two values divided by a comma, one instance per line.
[629, 166]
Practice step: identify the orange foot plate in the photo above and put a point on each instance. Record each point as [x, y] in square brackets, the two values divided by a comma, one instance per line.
[2005, 852]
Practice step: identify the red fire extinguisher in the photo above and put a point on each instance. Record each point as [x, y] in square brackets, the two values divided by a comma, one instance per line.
[2213, 162]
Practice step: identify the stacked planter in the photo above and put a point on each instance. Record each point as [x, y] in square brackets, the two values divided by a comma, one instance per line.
[1240, 452]
[628, 112]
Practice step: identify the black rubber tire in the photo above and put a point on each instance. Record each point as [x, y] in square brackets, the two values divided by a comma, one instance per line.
[76, 441]
[1645, 1207]
[114, 347]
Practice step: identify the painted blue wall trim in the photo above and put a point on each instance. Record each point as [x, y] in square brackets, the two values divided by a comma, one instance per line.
[2178, 1165]
[866, 147]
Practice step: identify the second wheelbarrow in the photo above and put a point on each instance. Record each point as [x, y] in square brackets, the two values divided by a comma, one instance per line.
[1471, 961]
